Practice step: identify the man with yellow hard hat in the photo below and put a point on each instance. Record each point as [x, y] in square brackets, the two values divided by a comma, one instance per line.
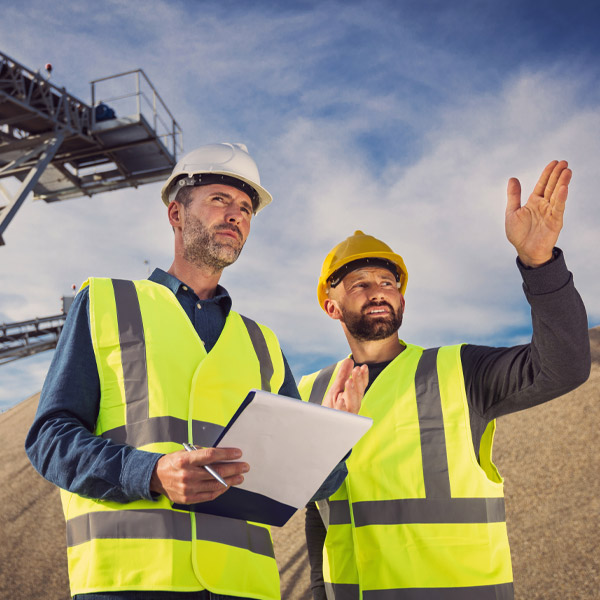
[143, 367]
[421, 514]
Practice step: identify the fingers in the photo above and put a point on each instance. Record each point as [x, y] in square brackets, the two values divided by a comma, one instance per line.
[555, 175]
[208, 456]
[559, 196]
[337, 387]
[513, 193]
[181, 475]
[540, 186]
[344, 372]
[354, 389]
[361, 376]
[552, 176]
[552, 185]
[220, 461]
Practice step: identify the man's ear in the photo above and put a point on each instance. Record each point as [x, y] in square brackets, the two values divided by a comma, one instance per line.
[332, 309]
[175, 212]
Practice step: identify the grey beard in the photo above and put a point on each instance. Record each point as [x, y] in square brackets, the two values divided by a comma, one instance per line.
[202, 249]
[369, 329]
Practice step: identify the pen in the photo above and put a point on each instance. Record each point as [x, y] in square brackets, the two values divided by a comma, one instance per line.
[191, 448]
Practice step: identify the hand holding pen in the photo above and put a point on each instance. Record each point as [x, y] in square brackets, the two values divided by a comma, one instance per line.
[191, 448]
[183, 476]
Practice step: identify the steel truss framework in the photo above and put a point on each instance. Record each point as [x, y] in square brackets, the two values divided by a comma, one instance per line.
[51, 142]
[18, 340]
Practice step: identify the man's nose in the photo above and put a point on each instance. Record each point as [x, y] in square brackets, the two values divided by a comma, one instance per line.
[376, 293]
[234, 214]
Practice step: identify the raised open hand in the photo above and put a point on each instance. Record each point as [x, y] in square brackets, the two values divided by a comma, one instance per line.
[347, 391]
[533, 229]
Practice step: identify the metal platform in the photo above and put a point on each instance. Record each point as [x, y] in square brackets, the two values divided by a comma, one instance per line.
[57, 146]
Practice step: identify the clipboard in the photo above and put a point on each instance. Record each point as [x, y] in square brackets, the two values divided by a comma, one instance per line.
[291, 447]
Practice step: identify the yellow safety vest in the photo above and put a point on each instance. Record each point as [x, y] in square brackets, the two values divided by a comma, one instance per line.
[159, 388]
[418, 517]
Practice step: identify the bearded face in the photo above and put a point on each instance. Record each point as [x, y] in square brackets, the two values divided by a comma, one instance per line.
[374, 321]
[214, 247]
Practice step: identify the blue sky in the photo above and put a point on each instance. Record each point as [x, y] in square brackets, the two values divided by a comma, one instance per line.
[403, 119]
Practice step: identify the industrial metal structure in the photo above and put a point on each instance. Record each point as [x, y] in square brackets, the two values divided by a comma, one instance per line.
[60, 147]
[18, 340]
[25, 338]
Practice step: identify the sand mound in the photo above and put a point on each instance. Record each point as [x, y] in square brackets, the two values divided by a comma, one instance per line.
[549, 456]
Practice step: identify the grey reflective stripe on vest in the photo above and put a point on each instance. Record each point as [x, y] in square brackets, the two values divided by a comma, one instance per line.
[262, 352]
[502, 591]
[169, 525]
[323, 508]
[133, 350]
[429, 510]
[317, 393]
[348, 591]
[438, 506]
[135, 373]
[334, 512]
[342, 591]
[163, 429]
[140, 430]
[431, 425]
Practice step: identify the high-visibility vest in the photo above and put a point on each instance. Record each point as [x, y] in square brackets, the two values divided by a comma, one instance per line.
[159, 388]
[418, 517]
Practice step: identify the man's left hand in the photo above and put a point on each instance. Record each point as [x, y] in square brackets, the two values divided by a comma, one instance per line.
[347, 391]
[533, 229]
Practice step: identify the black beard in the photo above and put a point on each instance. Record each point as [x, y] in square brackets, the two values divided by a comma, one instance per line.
[201, 248]
[369, 329]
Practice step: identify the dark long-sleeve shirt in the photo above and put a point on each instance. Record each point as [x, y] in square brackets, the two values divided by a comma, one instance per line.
[61, 444]
[500, 381]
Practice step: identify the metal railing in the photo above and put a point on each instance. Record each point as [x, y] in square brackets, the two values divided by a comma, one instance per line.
[143, 101]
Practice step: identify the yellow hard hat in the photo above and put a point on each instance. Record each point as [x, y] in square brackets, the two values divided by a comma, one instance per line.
[359, 247]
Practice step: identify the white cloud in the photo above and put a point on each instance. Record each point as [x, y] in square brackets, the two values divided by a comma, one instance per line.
[444, 214]
[303, 94]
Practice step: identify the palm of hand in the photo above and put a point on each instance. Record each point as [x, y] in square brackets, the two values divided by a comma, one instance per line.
[533, 229]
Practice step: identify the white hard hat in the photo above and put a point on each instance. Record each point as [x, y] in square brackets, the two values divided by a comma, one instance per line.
[231, 161]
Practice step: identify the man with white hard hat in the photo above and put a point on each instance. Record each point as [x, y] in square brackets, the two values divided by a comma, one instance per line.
[140, 368]
[420, 515]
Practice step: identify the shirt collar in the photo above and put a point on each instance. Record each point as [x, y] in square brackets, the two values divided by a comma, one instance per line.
[221, 296]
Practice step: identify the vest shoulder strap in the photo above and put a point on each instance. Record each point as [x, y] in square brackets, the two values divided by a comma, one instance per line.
[130, 321]
[262, 352]
[321, 383]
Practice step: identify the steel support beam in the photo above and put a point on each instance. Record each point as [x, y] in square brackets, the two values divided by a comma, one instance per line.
[46, 153]
[25, 338]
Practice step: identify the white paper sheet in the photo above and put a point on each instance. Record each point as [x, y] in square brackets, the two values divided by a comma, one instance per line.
[291, 446]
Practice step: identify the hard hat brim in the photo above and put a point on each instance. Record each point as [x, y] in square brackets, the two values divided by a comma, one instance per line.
[392, 257]
[264, 197]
